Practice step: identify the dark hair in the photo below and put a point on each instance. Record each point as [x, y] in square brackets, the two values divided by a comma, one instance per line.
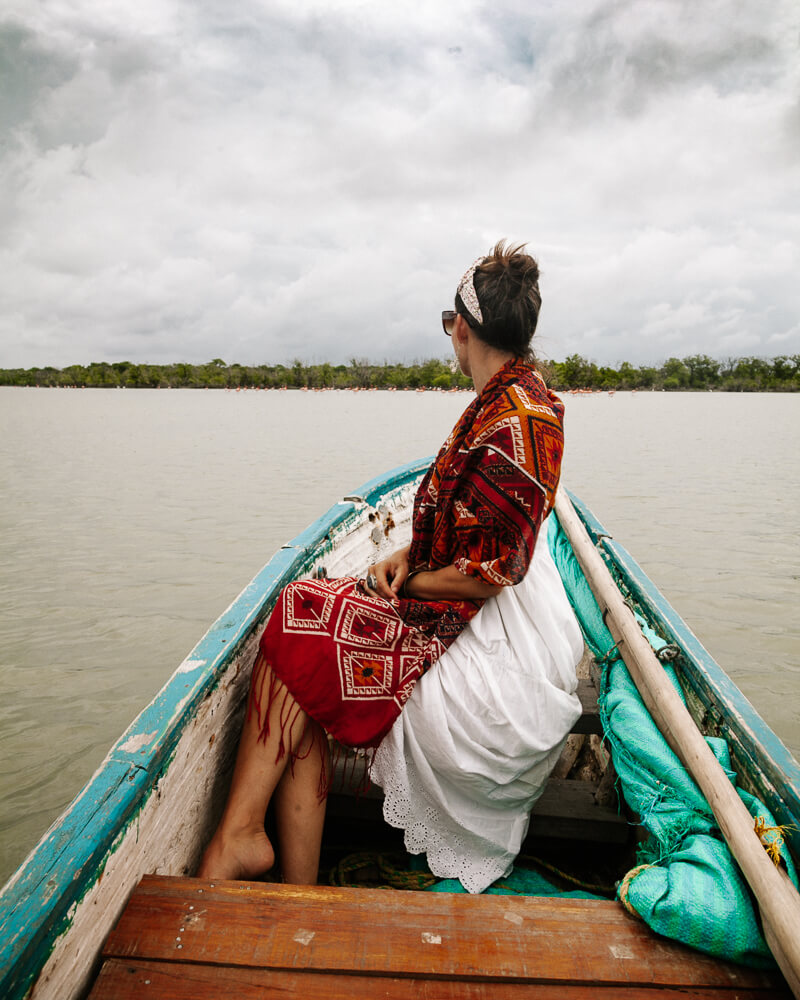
[507, 286]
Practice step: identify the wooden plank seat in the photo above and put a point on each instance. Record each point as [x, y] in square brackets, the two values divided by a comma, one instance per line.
[569, 808]
[350, 766]
[589, 722]
[179, 938]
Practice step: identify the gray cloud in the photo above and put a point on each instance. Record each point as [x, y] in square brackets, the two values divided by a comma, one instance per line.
[626, 55]
[262, 181]
[26, 70]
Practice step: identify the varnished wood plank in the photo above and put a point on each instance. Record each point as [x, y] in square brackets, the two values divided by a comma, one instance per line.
[416, 934]
[125, 980]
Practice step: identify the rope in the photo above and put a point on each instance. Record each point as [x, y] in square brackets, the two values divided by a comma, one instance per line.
[390, 874]
[624, 886]
[604, 890]
[609, 655]
[387, 872]
[773, 846]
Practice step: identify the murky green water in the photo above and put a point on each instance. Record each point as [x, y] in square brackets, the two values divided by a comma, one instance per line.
[130, 519]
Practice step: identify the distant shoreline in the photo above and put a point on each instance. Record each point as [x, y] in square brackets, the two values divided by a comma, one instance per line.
[297, 389]
[574, 374]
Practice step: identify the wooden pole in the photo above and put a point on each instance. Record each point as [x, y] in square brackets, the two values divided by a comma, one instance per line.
[778, 900]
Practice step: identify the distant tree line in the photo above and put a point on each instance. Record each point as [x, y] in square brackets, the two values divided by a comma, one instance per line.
[216, 374]
[697, 372]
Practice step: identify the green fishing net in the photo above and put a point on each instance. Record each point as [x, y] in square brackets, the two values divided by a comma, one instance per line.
[521, 882]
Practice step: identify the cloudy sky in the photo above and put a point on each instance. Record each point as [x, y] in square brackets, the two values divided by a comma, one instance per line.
[264, 180]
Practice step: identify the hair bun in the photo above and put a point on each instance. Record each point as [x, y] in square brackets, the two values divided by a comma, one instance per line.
[507, 286]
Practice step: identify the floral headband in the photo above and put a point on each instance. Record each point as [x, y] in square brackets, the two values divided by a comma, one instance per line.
[466, 289]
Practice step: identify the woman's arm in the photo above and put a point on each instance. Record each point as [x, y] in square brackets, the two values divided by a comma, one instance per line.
[446, 584]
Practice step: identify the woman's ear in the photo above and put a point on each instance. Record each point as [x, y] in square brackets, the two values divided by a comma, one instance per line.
[461, 329]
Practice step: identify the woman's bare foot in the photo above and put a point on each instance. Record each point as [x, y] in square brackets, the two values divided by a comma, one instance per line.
[239, 857]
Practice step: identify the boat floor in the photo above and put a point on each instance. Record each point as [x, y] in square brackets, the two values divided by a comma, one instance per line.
[182, 938]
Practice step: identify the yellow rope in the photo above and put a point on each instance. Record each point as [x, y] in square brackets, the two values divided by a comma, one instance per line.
[391, 875]
[773, 846]
[625, 885]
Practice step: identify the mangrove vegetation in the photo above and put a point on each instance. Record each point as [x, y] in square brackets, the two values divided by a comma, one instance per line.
[698, 372]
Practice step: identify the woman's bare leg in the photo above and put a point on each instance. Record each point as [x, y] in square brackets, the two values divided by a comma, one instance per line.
[300, 811]
[240, 849]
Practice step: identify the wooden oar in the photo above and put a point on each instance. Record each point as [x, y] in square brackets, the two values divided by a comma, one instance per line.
[777, 898]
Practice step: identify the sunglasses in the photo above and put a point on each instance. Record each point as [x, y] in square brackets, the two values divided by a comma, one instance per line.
[448, 321]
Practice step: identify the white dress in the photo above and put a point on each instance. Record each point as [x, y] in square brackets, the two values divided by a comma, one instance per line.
[471, 751]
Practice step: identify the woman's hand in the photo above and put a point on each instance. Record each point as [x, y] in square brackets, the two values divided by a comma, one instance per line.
[390, 575]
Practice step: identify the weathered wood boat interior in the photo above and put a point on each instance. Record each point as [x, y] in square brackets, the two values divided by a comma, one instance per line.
[82, 916]
[346, 938]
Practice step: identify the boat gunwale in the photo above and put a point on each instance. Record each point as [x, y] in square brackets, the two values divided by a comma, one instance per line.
[758, 753]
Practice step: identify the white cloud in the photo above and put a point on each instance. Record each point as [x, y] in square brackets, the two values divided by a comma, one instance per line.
[264, 181]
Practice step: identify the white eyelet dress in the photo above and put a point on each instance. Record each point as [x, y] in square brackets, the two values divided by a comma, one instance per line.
[471, 752]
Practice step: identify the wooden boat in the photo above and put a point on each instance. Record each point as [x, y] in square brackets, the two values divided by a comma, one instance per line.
[134, 835]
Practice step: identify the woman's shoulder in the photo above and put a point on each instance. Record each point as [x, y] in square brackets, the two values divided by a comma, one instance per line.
[523, 428]
[532, 389]
[526, 397]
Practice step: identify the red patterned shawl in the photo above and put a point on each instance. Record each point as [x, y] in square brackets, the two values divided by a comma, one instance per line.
[351, 660]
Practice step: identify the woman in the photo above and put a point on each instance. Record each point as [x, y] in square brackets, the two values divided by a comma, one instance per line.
[465, 761]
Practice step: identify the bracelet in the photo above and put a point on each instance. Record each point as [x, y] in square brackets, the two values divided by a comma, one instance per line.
[403, 592]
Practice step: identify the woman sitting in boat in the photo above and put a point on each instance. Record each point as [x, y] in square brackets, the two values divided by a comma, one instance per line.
[455, 657]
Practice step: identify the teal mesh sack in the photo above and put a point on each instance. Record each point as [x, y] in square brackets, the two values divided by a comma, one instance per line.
[520, 882]
[688, 886]
[698, 896]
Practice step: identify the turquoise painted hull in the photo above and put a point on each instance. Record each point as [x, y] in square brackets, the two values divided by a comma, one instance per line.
[40, 904]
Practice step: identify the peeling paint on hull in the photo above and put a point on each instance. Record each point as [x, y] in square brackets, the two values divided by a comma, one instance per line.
[154, 801]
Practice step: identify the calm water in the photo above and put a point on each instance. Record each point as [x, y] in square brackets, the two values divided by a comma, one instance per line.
[130, 519]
